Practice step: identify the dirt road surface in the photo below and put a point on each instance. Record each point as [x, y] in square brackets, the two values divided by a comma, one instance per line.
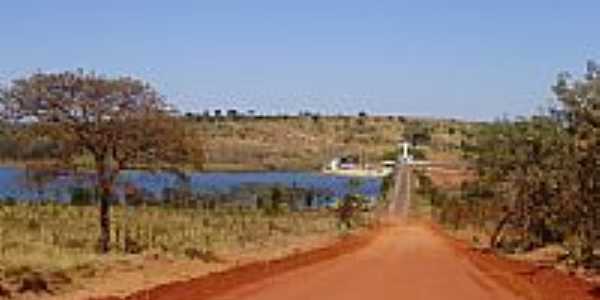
[404, 262]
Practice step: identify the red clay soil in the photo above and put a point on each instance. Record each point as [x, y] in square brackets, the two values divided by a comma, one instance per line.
[400, 262]
[534, 282]
[220, 282]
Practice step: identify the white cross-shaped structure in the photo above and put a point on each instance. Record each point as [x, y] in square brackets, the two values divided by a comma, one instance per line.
[405, 158]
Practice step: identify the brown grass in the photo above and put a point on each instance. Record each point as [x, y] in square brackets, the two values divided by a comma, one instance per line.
[58, 243]
[305, 144]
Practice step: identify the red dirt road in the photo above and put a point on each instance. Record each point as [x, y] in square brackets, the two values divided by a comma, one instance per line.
[403, 262]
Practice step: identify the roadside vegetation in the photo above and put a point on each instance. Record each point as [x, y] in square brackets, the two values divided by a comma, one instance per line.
[51, 247]
[533, 182]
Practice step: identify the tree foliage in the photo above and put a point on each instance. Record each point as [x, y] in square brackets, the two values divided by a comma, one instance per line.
[120, 122]
[540, 176]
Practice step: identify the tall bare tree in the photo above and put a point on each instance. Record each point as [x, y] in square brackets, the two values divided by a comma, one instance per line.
[120, 122]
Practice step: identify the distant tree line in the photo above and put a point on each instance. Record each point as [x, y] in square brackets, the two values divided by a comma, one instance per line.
[13, 149]
[236, 114]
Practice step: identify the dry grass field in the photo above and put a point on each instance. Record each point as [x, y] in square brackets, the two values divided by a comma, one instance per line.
[307, 143]
[51, 248]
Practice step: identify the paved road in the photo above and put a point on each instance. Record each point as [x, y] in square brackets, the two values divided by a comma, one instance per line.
[400, 196]
[405, 262]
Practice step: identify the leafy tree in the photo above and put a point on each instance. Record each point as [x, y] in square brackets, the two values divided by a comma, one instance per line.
[351, 203]
[120, 122]
[277, 201]
[580, 106]
[417, 133]
[539, 175]
[522, 163]
[349, 206]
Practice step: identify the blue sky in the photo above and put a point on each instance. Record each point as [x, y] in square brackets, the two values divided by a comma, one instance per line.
[468, 59]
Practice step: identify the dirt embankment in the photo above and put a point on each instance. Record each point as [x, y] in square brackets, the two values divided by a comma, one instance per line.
[533, 281]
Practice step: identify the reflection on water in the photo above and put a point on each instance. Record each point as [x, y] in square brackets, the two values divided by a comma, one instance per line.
[21, 185]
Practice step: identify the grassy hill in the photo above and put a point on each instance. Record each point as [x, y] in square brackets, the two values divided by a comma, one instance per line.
[307, 143]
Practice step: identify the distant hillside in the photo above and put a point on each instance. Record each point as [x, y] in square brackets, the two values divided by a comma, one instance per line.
[308, 142]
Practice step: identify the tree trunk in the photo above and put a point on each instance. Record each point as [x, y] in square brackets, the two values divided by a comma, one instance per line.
[105, 194]
[105, 183]
[499, 228]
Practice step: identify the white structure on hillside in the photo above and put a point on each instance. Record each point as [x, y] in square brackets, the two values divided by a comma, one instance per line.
[334, 164]
[405, 157]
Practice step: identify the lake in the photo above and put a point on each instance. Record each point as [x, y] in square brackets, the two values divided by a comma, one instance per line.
[14, 183]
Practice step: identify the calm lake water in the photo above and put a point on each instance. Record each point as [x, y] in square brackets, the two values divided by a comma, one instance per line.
[14, 183]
